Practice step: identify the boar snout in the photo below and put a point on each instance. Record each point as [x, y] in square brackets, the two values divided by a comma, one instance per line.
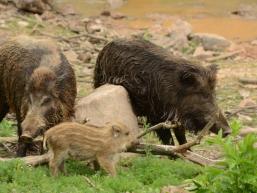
[31, 128]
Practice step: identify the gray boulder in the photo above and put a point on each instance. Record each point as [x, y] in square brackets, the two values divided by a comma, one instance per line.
[107, 103]
[210, 41]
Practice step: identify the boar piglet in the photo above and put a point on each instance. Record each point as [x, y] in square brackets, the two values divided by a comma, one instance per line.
[87, 142]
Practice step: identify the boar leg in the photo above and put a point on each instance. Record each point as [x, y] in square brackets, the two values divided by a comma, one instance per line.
[22, 147]
[4, 109]
[180, 134]
[56, 163]
[54, 168]
[165, 136]
[107, 163]
[62, 168]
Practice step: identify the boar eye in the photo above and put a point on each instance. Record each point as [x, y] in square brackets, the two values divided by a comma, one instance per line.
[46, 100]
[127, 133]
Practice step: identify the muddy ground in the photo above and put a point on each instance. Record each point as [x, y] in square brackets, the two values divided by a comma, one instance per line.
[81, 38]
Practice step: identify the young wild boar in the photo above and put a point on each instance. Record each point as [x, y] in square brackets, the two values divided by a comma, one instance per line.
[38, 84]
[161, 86]
[86, 142]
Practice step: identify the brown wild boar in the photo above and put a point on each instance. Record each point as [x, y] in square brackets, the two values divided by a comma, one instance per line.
[161, 86]
[38, 84]
[86, 142]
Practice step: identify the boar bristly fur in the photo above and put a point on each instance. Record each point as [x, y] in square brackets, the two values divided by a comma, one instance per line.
[87, 142]
[161, 86]
[38, 84]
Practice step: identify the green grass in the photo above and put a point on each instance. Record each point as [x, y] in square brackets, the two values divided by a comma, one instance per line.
[142, 174]
[6, 129]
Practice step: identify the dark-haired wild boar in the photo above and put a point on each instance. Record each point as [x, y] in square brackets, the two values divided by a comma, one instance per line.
[38, 84]
[161, 86]
[87, 142]
[107, 103]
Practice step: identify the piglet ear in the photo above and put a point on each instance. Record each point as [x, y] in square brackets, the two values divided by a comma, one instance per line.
[187, 78]
[116, 131]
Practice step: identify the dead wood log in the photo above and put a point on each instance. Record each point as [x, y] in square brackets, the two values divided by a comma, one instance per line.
[15, 140]
[247, 81]
[246, 131]
[31, 160]
[224, 56]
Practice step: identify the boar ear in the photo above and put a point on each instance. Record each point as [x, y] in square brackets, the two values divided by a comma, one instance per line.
[116, 131]
[187, 78]
[213, 69]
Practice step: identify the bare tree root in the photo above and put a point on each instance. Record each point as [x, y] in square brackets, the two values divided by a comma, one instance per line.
[31, 160]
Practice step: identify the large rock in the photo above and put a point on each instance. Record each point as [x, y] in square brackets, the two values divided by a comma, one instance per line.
[210, 41]
[106, 104]
[179, 33]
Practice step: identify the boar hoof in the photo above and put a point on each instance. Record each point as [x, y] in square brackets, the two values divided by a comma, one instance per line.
[26, 138]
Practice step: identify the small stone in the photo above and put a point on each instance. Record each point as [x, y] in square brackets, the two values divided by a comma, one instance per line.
[179, 32]
[106, 13]
[87, 71]
[71, 56]
[200, 53]
[254, 42]
[247, 102]
[118, 16]
[23, 23]
[173, 189]
[85, 57]
[210, 41]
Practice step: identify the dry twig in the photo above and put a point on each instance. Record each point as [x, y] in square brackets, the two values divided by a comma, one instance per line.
[164, 125]
[240, 110]
[224, 56]
[247, 81]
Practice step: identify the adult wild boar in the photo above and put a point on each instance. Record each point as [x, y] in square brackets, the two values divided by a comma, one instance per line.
[38, 84]
[161, 86]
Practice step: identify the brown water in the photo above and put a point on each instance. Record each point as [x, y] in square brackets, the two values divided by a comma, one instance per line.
[211, 16]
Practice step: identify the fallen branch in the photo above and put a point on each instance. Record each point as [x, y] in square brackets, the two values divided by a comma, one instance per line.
[15, 140]
[89, 182]
[246, 131]
[224, 56]
[240, 110]
[247, 81]
[31, 160]
[90, 36]
[164, 125]
[169, 150]
[198, 139]
[56, 37]
[8, 139]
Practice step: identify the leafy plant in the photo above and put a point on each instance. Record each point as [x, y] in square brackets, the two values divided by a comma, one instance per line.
[6, 128]
[238, 172]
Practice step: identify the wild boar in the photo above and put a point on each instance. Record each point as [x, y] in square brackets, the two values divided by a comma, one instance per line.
[38, 84]
[86, 142]
[161, 86]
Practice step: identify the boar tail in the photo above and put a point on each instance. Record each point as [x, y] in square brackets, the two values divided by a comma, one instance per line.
[45, 143]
